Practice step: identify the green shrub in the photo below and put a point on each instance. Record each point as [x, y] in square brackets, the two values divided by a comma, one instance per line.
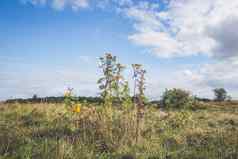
[176, 98]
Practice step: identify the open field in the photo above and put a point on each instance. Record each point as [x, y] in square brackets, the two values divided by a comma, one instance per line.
[50, 131]
[118, 79]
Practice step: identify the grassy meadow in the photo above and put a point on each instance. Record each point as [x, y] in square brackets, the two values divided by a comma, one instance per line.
[118, 79]
[51, 131]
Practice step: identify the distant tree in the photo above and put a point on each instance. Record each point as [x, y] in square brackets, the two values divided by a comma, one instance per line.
[34, 97]
[229, 98]
[220, 94]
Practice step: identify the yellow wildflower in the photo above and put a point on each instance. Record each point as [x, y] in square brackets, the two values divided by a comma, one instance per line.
[77, 108]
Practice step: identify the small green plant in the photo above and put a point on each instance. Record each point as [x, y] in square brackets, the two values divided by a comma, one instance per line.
[69, 99]
[177, 98]
[71, 103]
[126, 98]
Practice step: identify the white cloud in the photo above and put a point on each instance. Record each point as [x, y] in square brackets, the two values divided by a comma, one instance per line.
[222, 74]
[61, 4]
[58, 4]
[186, 27]
[226, 37]
[34, 2]
[120, 3]
[47, 83]
[78, 4]
[151, 38]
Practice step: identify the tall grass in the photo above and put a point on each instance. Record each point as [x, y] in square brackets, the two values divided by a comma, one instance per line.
[49, 131]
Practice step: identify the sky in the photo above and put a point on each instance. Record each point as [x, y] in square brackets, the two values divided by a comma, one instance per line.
[47, 46]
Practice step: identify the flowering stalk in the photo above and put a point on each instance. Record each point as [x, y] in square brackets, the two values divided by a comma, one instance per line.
[139, 97]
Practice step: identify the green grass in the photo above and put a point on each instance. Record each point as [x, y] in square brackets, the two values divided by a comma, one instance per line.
[48, 131]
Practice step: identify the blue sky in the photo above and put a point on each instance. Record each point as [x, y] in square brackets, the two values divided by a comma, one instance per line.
[49, 45]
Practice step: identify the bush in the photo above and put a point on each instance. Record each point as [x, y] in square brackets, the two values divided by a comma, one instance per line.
[176, 98]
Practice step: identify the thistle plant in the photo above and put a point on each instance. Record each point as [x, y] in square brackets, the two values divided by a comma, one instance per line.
[119, 81]
[106, 85]
[112, 82]
[139, 96]
[113, 89]
[139, 85]
[108, 66]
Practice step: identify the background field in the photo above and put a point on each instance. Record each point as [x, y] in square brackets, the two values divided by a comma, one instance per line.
[209, 130]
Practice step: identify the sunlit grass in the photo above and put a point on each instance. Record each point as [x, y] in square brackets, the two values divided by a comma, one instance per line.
[50, 131]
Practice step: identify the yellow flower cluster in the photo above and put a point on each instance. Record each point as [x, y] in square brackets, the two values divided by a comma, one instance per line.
[77, 108]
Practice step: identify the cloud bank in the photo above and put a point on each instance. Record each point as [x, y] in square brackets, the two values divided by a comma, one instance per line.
[179, 28]
[186, 27]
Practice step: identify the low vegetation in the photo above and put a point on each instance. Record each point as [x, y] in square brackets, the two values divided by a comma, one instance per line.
[51, 131]
[177, 99]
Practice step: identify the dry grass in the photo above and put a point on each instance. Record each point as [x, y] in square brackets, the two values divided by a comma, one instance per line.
[50, 131]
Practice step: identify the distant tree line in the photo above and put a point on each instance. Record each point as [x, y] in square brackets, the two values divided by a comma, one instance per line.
[53, 99]
[219, 93]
